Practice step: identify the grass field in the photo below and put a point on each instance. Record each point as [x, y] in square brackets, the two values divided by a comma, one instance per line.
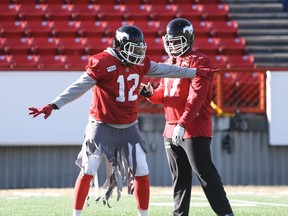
[254, 201]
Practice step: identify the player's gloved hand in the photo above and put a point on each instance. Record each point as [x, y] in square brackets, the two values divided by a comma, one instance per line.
[206, 72]
[146, 90]
[178, 134]
[46, 110]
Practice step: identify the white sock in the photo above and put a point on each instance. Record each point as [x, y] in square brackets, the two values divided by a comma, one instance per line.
[76, 212]
[142, 212]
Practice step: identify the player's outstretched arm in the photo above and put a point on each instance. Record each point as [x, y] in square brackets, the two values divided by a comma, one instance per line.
[71, 93]
[165, 70]
[46, 110]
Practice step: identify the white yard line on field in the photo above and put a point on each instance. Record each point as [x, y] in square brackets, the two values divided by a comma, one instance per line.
[260, 203]
[232, 201]
[203, 204]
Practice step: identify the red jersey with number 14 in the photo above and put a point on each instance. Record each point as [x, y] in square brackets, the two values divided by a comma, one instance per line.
[187, 101]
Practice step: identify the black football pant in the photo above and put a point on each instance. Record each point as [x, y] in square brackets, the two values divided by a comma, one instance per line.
[195, 154]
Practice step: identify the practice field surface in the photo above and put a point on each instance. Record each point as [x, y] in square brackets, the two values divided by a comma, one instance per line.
[254, 201]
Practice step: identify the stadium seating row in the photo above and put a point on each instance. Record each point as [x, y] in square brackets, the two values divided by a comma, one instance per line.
[13, 27]
[74, 61]
[39, 33]
[125, 2]
[110, 12]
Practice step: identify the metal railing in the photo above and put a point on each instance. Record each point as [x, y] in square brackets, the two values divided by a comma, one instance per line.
[235, 90]
[240, 90]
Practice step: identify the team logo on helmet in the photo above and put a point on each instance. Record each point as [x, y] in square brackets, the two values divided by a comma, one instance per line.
[189, 29]
[120, 36]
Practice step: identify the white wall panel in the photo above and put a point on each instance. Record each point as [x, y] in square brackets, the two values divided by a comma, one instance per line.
[277, 104]
[20, 90]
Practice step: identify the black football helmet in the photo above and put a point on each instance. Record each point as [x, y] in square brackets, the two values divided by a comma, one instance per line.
[179, 37]
[129, 44]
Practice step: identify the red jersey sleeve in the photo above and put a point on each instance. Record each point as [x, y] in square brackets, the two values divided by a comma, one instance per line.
[92, 68]
[199, 97]
[196, 100]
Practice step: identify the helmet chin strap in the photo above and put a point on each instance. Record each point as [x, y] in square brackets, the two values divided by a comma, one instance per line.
[123, 61]
[174, 60]
[190, 47]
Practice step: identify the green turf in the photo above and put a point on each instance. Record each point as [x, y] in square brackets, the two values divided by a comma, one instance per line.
[51, 204]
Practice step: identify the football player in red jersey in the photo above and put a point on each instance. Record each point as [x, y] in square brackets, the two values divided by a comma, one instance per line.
[188, 128]
[114, 76]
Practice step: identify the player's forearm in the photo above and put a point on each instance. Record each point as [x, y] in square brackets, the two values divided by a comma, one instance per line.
[74, 91]
[165, 70]
[195, 101]
[157, 97]
[191, 112]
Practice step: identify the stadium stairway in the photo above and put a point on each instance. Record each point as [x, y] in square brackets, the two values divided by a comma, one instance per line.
[264, 25]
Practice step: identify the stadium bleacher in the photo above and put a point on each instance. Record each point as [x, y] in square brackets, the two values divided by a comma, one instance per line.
[83, 28]
[61, 35]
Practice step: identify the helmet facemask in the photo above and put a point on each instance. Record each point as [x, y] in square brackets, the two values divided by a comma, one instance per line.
[133, 53]
[129, 44]
[179, 37]
[175, 46]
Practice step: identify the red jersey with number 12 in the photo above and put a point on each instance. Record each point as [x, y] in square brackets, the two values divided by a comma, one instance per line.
[115, 96]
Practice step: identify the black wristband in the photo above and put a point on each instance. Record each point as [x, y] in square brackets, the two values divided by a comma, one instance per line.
[54, 106]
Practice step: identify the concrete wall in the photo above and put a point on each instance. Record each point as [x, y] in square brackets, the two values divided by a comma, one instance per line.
[244, 159]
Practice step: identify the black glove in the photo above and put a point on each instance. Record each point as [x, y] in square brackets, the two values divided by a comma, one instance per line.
[146, 90]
